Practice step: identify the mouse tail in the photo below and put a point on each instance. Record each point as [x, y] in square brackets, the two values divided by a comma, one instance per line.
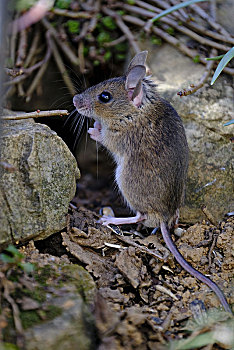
[173, 249]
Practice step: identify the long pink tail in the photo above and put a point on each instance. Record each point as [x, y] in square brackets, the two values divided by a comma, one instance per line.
[173, 249]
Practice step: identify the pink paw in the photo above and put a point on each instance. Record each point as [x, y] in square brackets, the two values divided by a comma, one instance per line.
[95, 132]
[107, 220]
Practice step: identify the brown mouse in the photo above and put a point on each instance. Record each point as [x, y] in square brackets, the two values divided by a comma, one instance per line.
[147, 140]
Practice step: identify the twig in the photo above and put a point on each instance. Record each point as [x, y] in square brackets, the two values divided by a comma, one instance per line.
[88, 27]
[143, 248]
[210, 33]
[70, 14]
[24, 72]
[210, 20]
[93, 22]
[13, 42]
[21, 48]
[124, 28]
[180, 11]
[215, 237]
[120, 40]
[166, 291]
[64, 46]
[14, 72]
[62, 68]
[202, 40]
[36, 80]
[83, 32]
[195, 26]
[36, 114]
[81, 56]
[203, 79]
[40, 73]
[21, 92]
[213, 9]
[209, 216]
[32, 49]
[15, 309]
[171, 40]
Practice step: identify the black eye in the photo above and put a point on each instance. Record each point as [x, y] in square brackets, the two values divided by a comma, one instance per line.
[105, 97]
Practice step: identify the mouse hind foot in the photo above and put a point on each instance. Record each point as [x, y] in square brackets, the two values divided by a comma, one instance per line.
[107, 220]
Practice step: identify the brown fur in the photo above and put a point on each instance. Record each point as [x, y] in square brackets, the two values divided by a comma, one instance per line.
[148, 144]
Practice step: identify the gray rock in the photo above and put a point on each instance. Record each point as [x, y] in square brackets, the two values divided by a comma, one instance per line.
[210, 180]
[73, 326]
[35, 196]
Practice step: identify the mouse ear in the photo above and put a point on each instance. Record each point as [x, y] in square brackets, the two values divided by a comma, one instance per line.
[138, 60]
[133, 84]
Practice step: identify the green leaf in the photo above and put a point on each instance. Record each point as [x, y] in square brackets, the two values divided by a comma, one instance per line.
[216, 58]
[8, 346]
[156, 41]
[222, 64]
[175, 8]
[73, 26]
[103, 37]
[107, 56]
[195, 343]
[14, 251]
[27, 267]
[63, 4]
[196, 59]
[7, 259]
[229, 123]
[122, 47]
[109, 22]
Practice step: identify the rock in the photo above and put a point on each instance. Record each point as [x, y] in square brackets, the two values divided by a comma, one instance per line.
[225, 14]
[204, 113]
[64, 293]
[74, 323]
[35, 195]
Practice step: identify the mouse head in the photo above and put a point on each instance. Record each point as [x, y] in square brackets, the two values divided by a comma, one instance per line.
[115, 97]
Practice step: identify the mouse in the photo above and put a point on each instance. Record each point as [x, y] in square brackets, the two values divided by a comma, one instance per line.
[146, 138]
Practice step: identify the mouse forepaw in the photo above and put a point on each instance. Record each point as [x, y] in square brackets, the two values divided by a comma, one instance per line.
[95, 134]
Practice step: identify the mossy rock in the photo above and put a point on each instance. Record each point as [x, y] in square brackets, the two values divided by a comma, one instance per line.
[55, 311]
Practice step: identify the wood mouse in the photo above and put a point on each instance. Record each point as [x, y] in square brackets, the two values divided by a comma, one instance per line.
[146, 138]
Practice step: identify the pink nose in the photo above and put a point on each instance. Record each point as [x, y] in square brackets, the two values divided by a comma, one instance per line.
[76, 101]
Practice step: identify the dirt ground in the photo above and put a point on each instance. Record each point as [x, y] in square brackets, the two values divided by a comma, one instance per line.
[145, 298]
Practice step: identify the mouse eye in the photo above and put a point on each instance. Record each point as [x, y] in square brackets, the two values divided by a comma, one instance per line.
[105, 97]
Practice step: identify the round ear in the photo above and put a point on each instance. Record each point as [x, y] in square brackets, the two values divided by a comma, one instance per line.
[133, 83]
[135, 74]
[138, 60]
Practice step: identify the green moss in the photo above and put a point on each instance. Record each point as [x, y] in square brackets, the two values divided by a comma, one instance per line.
[103, 37]
[53, 311]
[73, 26]
[8, 346]
[122, 47]
[63, 4]
[32, 317]
[109, 22]
[107, 56]
[81, 279]
[29, 318]
[196, 59]
[43, 275]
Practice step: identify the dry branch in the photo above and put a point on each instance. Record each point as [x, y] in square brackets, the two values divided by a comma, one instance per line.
[36, 114]
[123, 27]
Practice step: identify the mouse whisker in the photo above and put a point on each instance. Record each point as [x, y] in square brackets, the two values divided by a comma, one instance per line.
[80, 126]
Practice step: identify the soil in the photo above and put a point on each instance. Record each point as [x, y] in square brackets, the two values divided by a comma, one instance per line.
[145, 298]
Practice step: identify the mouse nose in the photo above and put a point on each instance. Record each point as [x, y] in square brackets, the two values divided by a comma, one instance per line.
[77, 101]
